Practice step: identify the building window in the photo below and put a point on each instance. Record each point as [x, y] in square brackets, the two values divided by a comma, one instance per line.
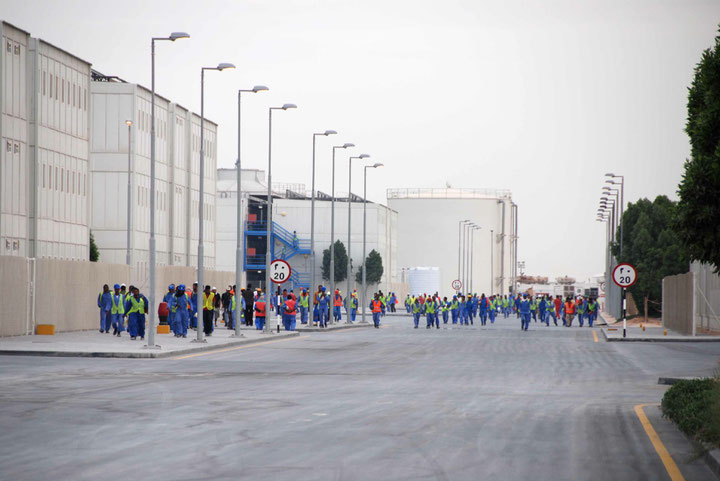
[57, 83]
[43, 176]
[8, 146]
[44, 81]
[73, 183]
[85, 100]
[57, 170]
[62, 95]
[9, 47]
[17, 49]
[62, 180]
[73, 90]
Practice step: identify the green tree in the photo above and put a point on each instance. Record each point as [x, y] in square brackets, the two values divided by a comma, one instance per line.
[650, 244]
[94, 252]
[374, 268]
[340, 262]
[698, 213]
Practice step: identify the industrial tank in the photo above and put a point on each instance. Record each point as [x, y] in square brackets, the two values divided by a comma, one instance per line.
[424, 280]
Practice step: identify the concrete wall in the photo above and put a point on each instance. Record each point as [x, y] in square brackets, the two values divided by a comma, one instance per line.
[677, 303]
[707, 297]
[68, 290]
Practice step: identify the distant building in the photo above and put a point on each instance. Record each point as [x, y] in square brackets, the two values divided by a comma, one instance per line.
[291, 212]
[430, 234]
[177, 155]
[44, 161]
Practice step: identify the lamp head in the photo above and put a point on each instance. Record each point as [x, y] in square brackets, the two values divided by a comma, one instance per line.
[224, 65]
[128, 123]
[177, 35]
[347, 145]
[363, 156]
[289, 106]
[378, 164]
[610, 174]
[329, 132]
[259, 88]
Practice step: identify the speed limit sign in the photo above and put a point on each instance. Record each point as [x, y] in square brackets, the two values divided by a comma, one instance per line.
[279, 271]
[456, 284]
[624, 275]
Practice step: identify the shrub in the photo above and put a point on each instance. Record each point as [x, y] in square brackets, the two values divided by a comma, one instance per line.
[694, 406]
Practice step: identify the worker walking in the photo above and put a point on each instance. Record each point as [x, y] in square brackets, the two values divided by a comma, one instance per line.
[353, 306]
[376, 307]
[416, 311]
[136, 307]
[430, 311]
[323, 308]
[304, 303]
[592, 311]
[208, 311]
[117, 310]
[454, 306]
[444, 308]
[289, 314]
[524, 313]
[260, 312]
[337, 306]
[104, 302]
[569, 311]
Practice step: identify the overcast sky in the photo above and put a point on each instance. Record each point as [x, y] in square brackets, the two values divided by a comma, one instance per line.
[541, 97]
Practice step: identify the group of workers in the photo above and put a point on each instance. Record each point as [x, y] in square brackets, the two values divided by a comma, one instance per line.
[119, 305]
[463, 310]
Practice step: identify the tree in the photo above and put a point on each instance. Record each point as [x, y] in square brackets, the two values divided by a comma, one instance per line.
[698, 213]
[374, 268]
[650, 244]
[94, 252]
[340, 262]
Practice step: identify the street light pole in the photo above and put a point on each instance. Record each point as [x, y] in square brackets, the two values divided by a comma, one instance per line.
[492, 261]
[460, 223]
[129, 193]
[364, 263]
[201, 197]
[332, 226]
[349, 258]
[622, 202]
[151, 315]
[312, 215]
[239, 250]
[269, 298]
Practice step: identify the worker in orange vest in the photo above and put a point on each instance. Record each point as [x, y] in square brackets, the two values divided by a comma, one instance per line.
[260, 312]
[337, 305]
[289, 313]
[376, 307]
[569, 311]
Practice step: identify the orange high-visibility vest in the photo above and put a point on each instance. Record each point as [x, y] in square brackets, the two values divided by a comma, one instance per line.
[338, 301]
[290, 307]
[376, 306]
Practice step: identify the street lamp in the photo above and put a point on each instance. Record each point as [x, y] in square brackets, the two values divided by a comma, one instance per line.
[461, 248]
[622, 201]
[364, 257]
[151, 317]
[129, 194]
[239, 250]
[312, 213]
[268, 217]
[332, 224]
[473, 228]
[492, 261]
[201, 198]
[349, 259]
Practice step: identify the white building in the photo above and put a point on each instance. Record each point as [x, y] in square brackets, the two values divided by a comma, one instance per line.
[291, 210]
[430, 235]
[177, 161]
[44, 188]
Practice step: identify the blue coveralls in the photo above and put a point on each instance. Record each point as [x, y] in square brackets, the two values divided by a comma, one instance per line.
[105, 304]
[492, 311]
[193, 309]
[430, 312]
[518, 301]
[524, 314]
[483, 310]
[117, 319]
[353, 308]
[323, 311]
[303, 309]
[444, 309]
[416, 310]
[181, 319]
[337, 311]
[454, 306]
[136, 315]
[463, 313]
[592, 314]
[407, 305]
[542, 306]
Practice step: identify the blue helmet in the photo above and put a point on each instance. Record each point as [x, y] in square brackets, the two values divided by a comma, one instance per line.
[181, 287]
[171, 287]
[116, 286]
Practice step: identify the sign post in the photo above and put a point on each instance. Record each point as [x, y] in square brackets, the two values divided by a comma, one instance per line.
[279, 273]
[624, 275]
[457, 285]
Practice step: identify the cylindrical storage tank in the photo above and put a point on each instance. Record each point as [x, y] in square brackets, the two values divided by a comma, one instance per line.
[424, 280]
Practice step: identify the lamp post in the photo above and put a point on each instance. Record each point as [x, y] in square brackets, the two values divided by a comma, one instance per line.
[268, 254]
[460, 248]
[129, 193]
[151, 315]
[201, 197]
[492, 261]
[364, 267]
[472, 244]
[312, 214]
[622, 201]
[239, 250]
[349, 259]
[332, 225]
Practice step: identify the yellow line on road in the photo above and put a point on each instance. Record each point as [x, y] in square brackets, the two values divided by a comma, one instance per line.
[665, 457]
[595, 336]
[255, 344]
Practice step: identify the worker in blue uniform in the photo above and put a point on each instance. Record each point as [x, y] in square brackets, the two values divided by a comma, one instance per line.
[454, 306]
[337, 306]
[353, 306]
[518, 300]
[416, 310]
[524, 313]
[483, 307]
[323, 308]
[183, 312]
[136, 307]
[492, 309]
[445, 310]
[104, 302]
[430, 312]
[194, 306]
[117, 310]
[542, 308]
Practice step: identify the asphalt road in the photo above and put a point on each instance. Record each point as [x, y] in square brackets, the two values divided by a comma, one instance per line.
[381, 404]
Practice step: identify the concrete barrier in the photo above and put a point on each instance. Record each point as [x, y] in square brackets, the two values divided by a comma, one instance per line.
[677, 303]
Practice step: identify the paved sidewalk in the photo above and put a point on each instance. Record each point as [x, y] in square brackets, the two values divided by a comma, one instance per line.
[95, 344]
[651, 334]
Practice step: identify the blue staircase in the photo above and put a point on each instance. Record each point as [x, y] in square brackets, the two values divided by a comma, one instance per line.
[284, 246]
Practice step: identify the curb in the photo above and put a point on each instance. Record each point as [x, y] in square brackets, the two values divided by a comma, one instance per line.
[654, 339]
[712, 459]
[144, 355]
[332, 329]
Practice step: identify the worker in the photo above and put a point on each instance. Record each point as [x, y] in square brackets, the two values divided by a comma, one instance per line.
[484, 305]
[408, 304]
[323, 307]
[383, 303]
[580, 307]
[289, 313]
[296, 241]
[492, 309]
[533, 307]
[104, 302]
[136, 307]
[249, 299]
[592, 309]
[337, 305]
[353, 306]
[524, 313]
[180, 313]
[376, 308]
[542, 307]
[557, 302]
[194, 306]
[569, 311]
[430, 312]
[505, 307]
[462, 311]
[444, 309]
[416, 311]
[259, 308]
[392, 302]
[518, 300]
[117, 310]
[304, 304]
[454, 306]
[208, 310]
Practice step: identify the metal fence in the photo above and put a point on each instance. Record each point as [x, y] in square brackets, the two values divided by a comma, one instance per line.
[449, 193]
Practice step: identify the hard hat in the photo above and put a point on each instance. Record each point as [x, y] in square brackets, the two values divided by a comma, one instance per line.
[122, 285]
[116, 286]
[213, 288]
[181, 287]
[171, 287]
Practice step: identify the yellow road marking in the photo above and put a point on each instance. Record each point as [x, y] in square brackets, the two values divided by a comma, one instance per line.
[255, 344]
[665, 457]
[595, 336]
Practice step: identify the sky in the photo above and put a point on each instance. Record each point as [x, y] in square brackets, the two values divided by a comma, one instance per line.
[539, 97]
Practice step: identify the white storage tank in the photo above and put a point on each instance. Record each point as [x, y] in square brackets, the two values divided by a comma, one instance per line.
[424, 280]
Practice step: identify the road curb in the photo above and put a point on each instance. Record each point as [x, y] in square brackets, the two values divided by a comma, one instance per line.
[712, 459]
[333, 329]
[657, 339]
[158, 354]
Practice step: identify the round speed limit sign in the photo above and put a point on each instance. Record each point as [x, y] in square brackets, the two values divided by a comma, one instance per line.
[624, 275]
[456, 284]
[279, 271]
